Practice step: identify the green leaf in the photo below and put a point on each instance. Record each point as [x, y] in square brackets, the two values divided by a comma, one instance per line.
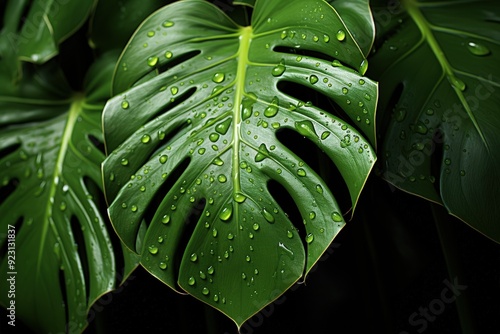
[438, 68]
[192, 146]
[114, 21]
[47, 25]
[357, 15]
[50, 183]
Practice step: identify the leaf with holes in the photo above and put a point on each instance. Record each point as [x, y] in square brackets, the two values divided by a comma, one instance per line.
[438, 66]
[51, 199]
[193, 149]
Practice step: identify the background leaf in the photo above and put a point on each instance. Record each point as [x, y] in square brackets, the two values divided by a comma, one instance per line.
[114, 21]
[47, 24]
[438, 65]
[194, 146]
[50, 152]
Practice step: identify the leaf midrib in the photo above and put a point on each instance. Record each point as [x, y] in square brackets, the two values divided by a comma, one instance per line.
[413, 9]
[73, 113]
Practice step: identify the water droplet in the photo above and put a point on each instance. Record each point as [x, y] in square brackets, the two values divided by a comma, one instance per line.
[363, 66]
[63, 206]
[218, 77]
[226, 212]
[193, 257]
[151, 33]
[319, 189]
[163, 159]
[152, 61]
[279, 69]
[153, 249]
[165, 219]
[174, 90]
[309, 238]
[223, 127]
[272, 109]
[421, 128]
[447, 161]
[210, 270]
[289, 234]
[262, 154]
[255, 226]
[400, 114]
[345, 90]
[313, 79]
[336, 63]
[202, 275]
[457, 83]
[478, 49]
[133, 208]
[268, 216]
[326, 38]
[218, 162]
[230, 236]
[168, 24]
[340, 35]
[367, 97]
[145, 139]
[125, 104]
[301, 172]
[169, 54]
[124, 162]
[361, 82]
[222, 178]
[191, 281]
[430, 111]
[462, 172]
[306, 128]
[337, 217]
[239, 197]
[163, 265]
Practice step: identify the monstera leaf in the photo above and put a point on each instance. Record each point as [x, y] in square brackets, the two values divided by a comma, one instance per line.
[193, 147]
[50, 189]
[438, 66]
[46, 25]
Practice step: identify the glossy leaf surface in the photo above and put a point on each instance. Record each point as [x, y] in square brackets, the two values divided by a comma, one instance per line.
[47, 24]
[52, 198]
[438, 65]
[192, 146]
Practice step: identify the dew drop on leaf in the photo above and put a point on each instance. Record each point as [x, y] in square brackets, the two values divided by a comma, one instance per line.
[268, 216]
[125, 104]
[337, 217]
[306, 128]
[309, 238]
[478, 49]
[168, 24]
[313, 79]
[153, 249]
[152, 61]
[272, 109]
[169, 54]
[193, 257]
[191, 281]
[226, 212]
[340, 35]
[262, 154]
[218, 77]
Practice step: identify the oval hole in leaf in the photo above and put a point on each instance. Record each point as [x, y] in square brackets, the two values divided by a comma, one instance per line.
[8, 189]
[79, 240]
[320, 163]
[287, 204]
